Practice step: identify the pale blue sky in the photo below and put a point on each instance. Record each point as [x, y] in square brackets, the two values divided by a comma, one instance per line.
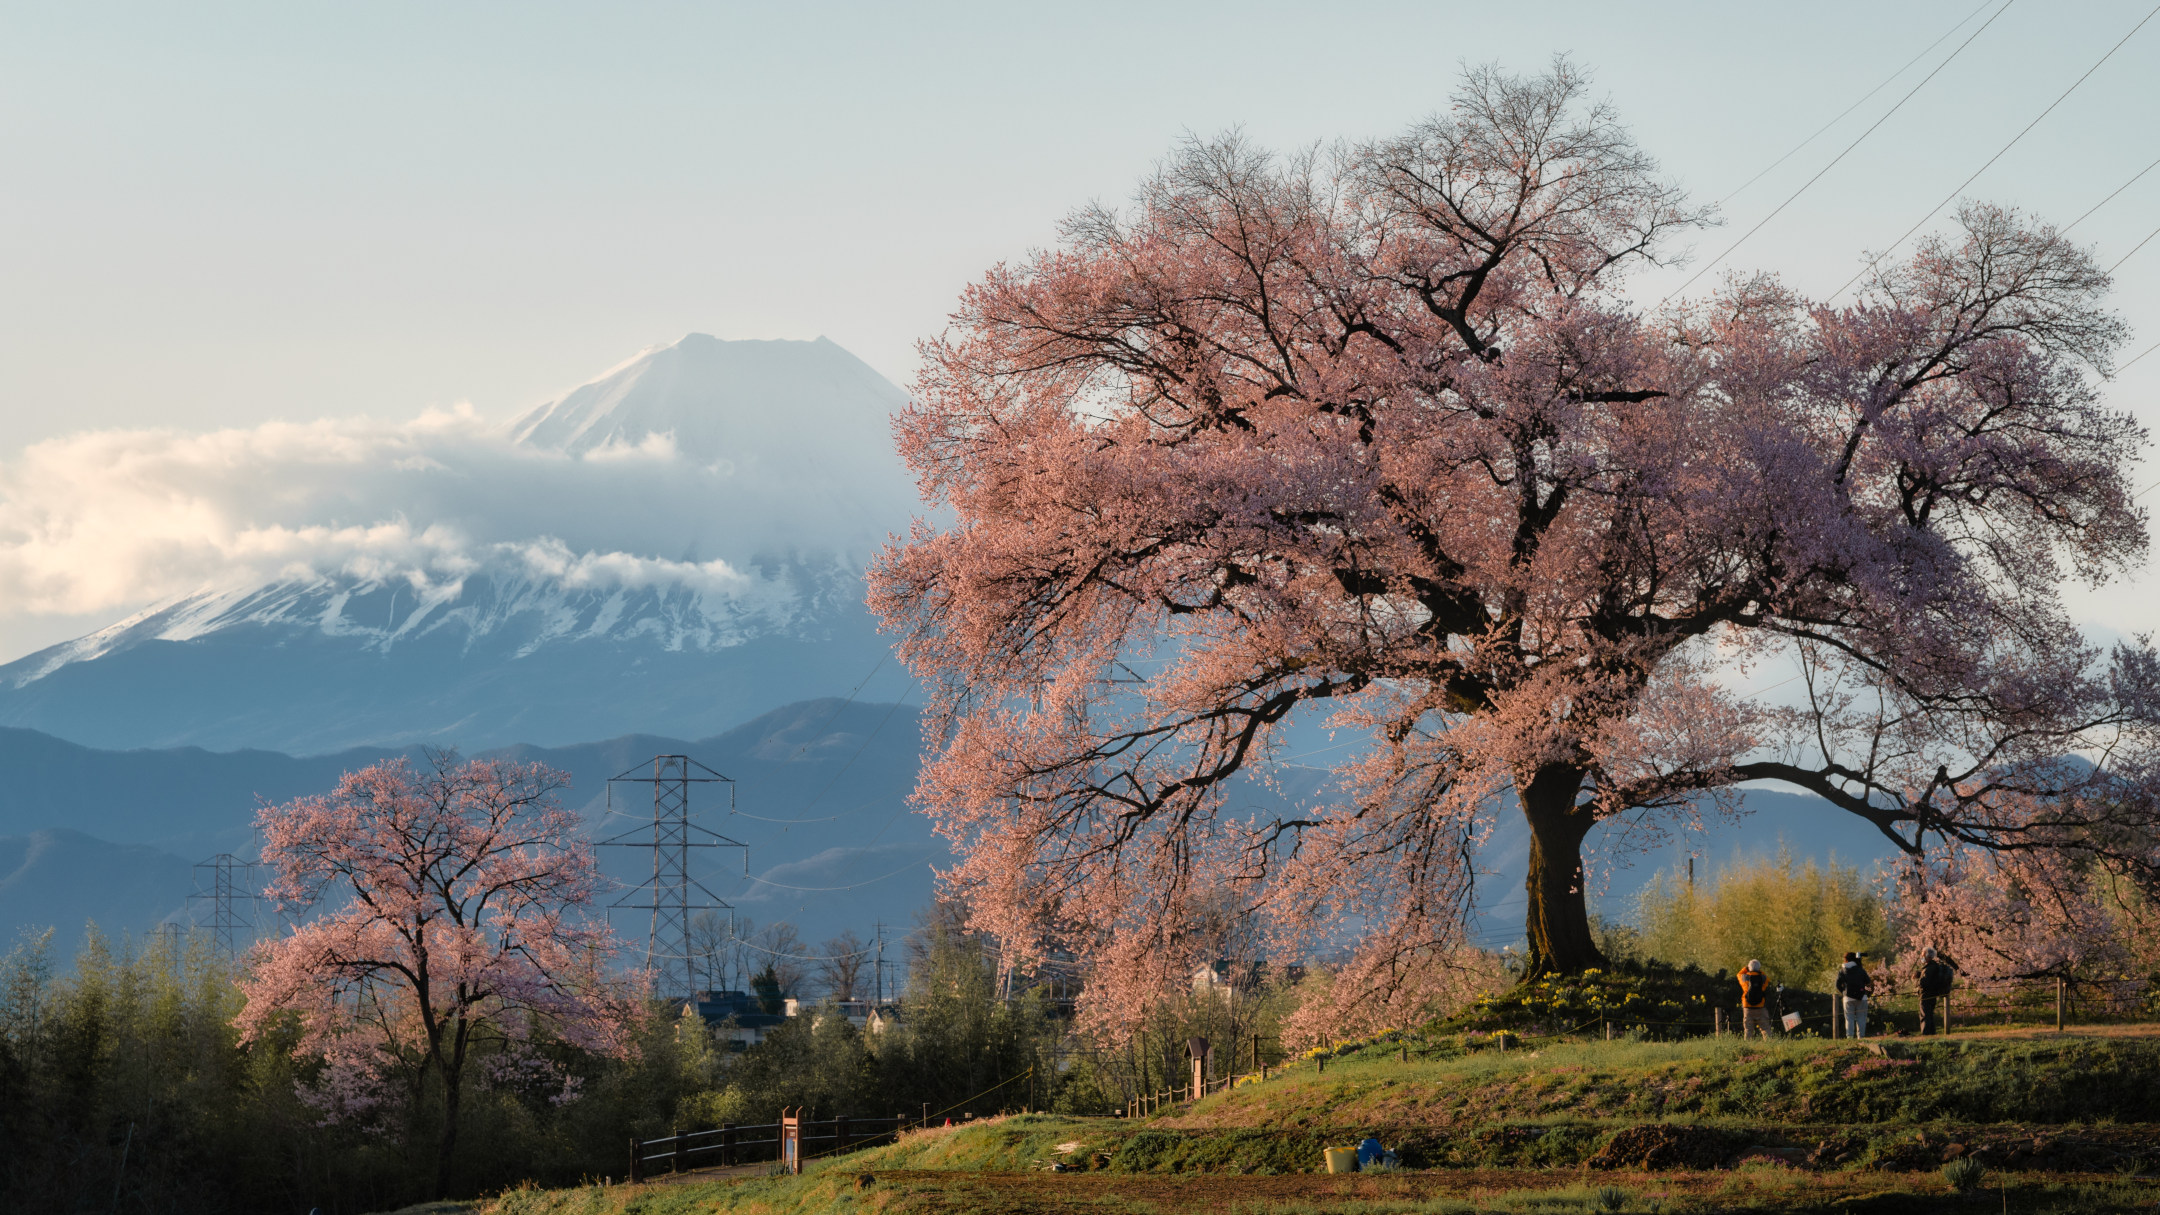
[220, 214]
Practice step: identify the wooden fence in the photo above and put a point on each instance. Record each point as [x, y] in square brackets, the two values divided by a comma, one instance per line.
[747, 1144]
[1148, 1103]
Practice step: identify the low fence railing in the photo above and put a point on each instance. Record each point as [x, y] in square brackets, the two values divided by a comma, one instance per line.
[1148, 1103]
[751, 1143]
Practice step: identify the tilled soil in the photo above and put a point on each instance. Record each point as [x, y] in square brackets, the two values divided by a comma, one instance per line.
[1663, 1146]
[996, 1193]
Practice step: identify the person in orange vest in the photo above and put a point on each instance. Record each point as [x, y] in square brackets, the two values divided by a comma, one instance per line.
[1754, 988]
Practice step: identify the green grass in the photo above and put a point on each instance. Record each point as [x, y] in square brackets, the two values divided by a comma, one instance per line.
[1528, 1119]
[2036, 1079]
[838, 1194]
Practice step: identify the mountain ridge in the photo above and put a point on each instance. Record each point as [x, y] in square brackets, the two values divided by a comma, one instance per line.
[822, 802]
[159, 811]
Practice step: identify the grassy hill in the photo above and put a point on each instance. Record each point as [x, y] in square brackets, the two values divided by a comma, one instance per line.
[2058, 1122]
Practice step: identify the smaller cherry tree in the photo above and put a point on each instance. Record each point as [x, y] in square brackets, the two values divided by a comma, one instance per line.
[2021, 916]
[445, 916]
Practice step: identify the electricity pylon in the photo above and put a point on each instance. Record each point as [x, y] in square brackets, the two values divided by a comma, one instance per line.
[671, 835]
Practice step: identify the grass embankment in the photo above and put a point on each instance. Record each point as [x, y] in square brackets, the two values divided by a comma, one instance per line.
[2064, 1124]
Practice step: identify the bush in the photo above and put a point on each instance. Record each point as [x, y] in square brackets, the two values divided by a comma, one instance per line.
[1964, 1174]
[1799, 919]
[1667, 1001]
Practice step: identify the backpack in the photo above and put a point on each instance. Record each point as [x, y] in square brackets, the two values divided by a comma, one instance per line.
[1853, 982]
[1935, 979]
[1752, 984]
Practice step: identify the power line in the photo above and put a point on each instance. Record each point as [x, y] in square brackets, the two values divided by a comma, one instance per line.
[2132, 363]
[802, 957]
[2126, 257]
[1857, 104]
[2111, 198]
[857, 886]
[1842, 155]
[872, 737]
[1932, 211]
[824, 729]
[762, 818]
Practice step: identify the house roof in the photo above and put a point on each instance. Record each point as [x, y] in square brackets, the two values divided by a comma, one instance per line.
[740, 1007]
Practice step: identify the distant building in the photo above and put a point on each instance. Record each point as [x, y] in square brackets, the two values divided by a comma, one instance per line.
[737, 1017]
[1222, 977]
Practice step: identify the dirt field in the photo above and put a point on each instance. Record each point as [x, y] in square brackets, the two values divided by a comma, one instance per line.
[1764, 1190]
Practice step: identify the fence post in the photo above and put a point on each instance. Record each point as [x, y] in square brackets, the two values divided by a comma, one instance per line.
[839, 1133]
[637, 1150]
[727, 1144]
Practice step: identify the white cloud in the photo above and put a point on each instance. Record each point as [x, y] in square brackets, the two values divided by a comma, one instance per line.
[104, 522]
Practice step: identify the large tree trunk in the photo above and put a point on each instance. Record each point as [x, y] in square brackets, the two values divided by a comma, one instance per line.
[447, 1148]
[1559, 916]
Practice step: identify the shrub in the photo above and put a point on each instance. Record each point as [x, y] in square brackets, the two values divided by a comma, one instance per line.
[1799, 919]
[1964, 1174]
[1669, 1001]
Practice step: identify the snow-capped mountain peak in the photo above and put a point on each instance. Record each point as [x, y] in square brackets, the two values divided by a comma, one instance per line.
[673, 546]
[726, 400]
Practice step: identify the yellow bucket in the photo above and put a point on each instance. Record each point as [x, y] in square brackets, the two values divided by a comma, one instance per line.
[1342, 1160]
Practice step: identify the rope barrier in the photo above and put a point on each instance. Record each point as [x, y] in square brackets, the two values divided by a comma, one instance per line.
[899, 1124]
[986, 1092]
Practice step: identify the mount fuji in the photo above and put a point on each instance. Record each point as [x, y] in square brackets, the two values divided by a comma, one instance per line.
[673, 548]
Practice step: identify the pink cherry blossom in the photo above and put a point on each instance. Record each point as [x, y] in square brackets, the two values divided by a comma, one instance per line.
[1375, 436]
[441, 911]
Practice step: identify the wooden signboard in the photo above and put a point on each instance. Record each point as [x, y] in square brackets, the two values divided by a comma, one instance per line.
[791, 1140]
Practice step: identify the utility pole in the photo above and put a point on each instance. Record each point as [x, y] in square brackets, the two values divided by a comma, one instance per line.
[670, 837]
[880, 963]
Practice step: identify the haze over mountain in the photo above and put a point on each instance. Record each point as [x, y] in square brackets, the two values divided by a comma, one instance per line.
[820, 803]
[673, 547]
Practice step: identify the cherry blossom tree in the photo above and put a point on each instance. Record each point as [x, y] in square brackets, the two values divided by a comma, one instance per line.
[2006, 917]
[445, 914]
[1376, 434]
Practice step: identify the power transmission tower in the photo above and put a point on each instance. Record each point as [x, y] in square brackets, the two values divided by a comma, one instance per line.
[226, 886]
[671, 836]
